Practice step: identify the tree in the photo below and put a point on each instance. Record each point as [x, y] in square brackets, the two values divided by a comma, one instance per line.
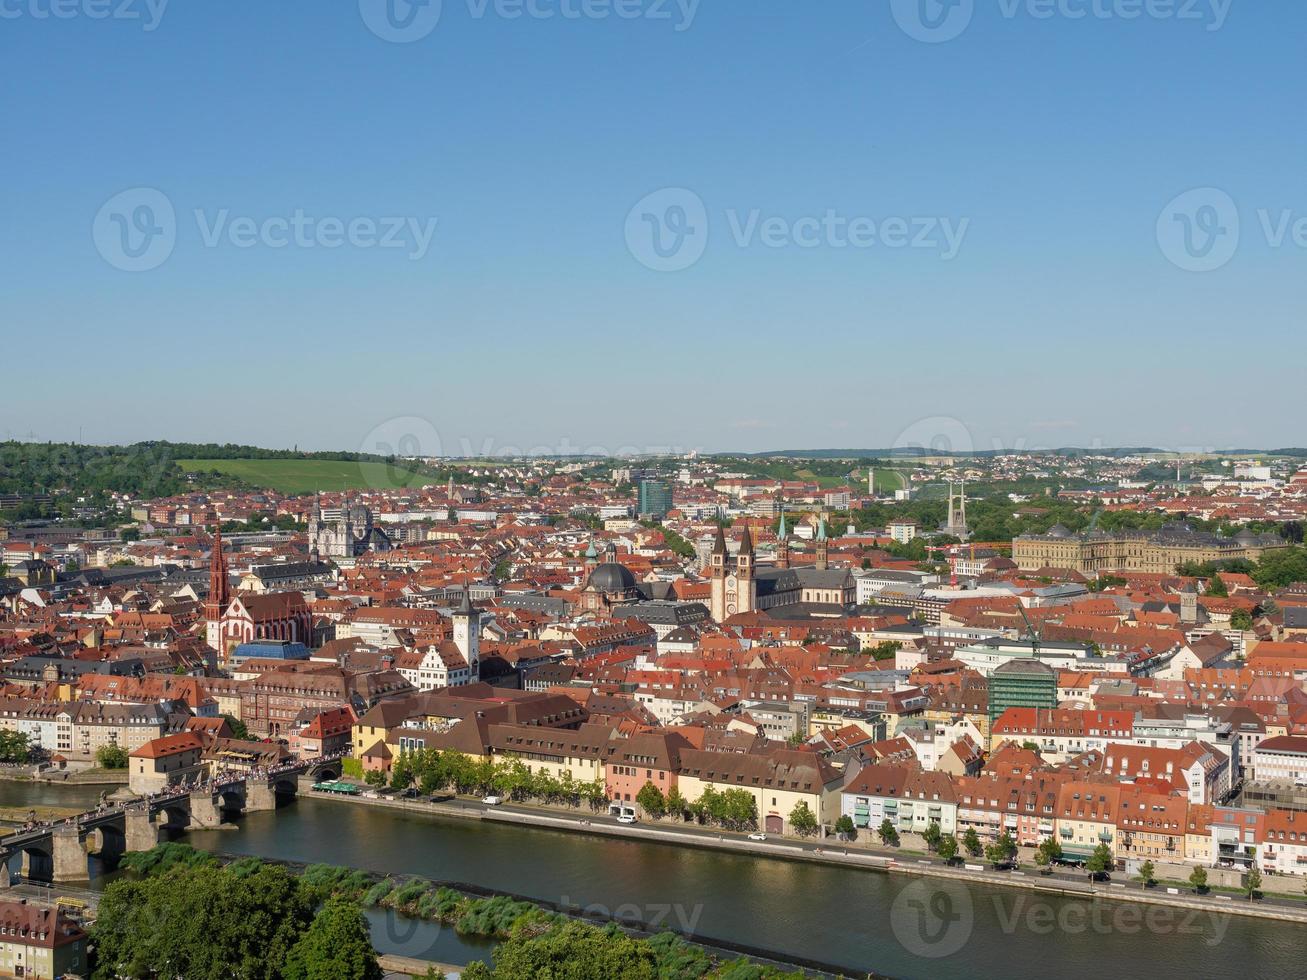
[1198, 878]
[1002, 851]
[1281, 567]
[401, 772]
[1252, 881]
[1049, 852]
[845, 828]
[932, 835]
[888, 835]
[15, 747]
[1146, 872]
[1216, 587]
[375, 777]
[111, 756]
[971, 842]
[802, 820]
[1241, 619]
[337, 946]
[238, 729]
[651, 800]
[201, 922]
[1100, 861]
[574, 949]
[675, 804]
[948, 848]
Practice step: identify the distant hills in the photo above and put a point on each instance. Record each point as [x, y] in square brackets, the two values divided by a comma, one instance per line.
[912, 452]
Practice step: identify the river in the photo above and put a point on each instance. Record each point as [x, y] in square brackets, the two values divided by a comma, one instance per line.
[855, 919]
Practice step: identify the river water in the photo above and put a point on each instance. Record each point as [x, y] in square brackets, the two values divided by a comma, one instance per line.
[855, 919]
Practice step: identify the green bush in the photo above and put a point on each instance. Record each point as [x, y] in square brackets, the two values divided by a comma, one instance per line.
[374, 895]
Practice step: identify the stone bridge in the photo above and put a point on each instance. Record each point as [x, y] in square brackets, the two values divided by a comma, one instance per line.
[59, 852]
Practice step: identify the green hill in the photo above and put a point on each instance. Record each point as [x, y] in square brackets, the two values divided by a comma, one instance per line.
[307, 475]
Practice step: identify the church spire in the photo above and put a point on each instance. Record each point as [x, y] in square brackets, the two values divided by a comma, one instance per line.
[782, 539]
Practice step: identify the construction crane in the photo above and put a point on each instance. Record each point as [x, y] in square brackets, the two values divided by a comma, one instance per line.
[1036, 638]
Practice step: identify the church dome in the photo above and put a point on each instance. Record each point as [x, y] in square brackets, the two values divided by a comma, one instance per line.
[1059, 531]
[611, 577]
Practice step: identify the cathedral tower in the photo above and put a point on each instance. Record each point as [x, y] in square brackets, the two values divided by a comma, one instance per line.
[717, 571]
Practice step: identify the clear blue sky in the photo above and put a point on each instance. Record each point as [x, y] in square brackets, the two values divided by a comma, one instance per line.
[532, 321]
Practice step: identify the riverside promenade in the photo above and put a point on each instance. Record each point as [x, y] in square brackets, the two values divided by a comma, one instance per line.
[831, 851]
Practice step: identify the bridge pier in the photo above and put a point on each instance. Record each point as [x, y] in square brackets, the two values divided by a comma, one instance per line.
[259, 796]
[69, 854]
[206, 811]
[140, 831]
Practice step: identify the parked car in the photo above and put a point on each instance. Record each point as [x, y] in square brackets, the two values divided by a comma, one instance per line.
[627, 818]
[757, 835]
[492, 800]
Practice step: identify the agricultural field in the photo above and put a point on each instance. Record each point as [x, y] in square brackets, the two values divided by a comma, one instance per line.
[294, 476]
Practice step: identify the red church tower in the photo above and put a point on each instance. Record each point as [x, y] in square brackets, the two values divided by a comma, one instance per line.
[219, 593]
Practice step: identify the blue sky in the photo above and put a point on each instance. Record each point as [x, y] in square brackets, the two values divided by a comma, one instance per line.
[1060, 308]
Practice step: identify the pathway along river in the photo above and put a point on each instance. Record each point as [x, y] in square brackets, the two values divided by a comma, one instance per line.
[862, 920]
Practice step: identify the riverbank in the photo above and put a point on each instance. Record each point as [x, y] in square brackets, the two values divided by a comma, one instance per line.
[836, 854]
[64, 777]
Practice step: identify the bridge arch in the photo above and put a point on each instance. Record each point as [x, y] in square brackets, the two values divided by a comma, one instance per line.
[231, 799]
